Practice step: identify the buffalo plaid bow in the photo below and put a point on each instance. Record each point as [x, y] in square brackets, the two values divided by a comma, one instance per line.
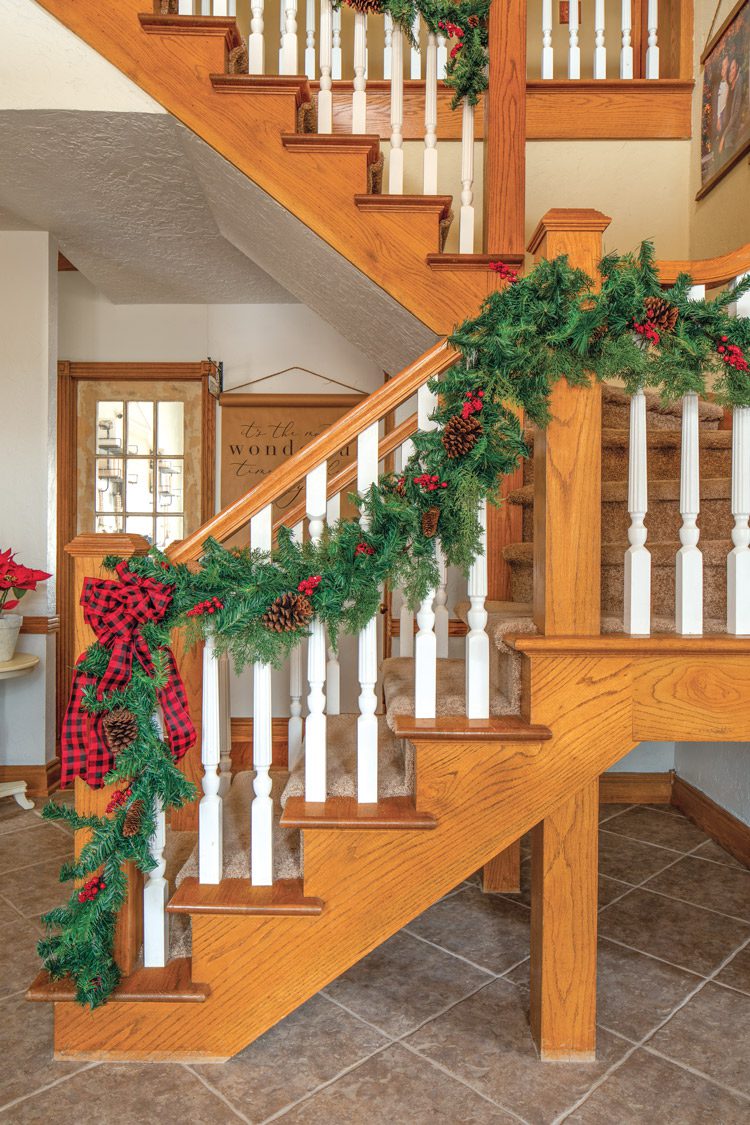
[116, 611]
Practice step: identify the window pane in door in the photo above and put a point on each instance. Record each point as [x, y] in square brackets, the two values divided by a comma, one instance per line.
[109, 419]
[108, 525]
[171, 428]
[140, 437]
[109, 485]
[140, 525]
[139, 495]
[169, 495]
[168, 530]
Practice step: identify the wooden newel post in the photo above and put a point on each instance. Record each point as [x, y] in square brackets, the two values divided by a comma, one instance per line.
[87, 553]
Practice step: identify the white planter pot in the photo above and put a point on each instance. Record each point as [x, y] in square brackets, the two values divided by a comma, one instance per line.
[10, 627]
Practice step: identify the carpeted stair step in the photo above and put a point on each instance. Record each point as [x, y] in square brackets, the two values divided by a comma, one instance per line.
[398, 687]
[504, 619]
[663, 520]
[661, 416]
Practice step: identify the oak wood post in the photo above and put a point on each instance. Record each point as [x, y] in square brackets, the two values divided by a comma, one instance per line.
[505, 130]
[87, 552]
[503, 873]
[563, 928]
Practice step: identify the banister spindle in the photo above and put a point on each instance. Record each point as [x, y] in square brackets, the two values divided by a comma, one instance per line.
[396, 157]
[336, 63]
[600, 49]
[430, 118]
[315, 726]
[325, 95]
[415, 68]
[310, 39]
[155, 897]
[652, 51]
[225, 721]
[295, 688]
[626, 50]
[367, 723]
[477, 641]
[442, 56]
[442, 617]
[289, 38]
[738, 560]
[256, 43]
[406, 615]
[425, 642]
[637, 605]
[548, 57]
[185, 8]
[210, 840]
[689, 564]
[359, 95]
[574, 49]
[387, 45]
[466, 222]
[333, 668]
[261, 816]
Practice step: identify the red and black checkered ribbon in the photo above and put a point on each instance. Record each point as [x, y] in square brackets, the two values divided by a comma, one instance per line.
[117, 611]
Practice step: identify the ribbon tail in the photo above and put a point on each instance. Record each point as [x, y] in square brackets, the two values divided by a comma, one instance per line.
[177, 722]
[82, 750]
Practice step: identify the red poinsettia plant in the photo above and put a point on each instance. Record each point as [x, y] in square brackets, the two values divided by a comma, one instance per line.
[16, 579]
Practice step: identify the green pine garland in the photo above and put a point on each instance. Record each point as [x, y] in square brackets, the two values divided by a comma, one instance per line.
[547, 326]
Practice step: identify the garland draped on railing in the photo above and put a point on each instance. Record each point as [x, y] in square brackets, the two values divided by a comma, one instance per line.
[547, 326]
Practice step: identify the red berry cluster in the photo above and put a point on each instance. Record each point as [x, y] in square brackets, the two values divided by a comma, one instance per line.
[118, 799]
[453, 31]
[430, 483]
[90, 890]
[648, 331]
[308, 586]
[364, 549]
[473, 404]
[210, 606]
[505, 273]
[732, 355]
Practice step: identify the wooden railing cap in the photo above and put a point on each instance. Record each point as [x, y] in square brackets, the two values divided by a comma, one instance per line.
[708, 271]
[568, 218]
[91, 543]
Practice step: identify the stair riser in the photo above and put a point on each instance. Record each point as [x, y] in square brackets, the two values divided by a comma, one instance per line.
[618, 418]
[663, 521]
[663, 464]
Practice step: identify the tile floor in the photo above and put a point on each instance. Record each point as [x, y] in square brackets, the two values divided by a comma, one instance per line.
[432, 1027]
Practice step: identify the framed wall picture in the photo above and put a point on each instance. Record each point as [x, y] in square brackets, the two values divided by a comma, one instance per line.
[725, 109]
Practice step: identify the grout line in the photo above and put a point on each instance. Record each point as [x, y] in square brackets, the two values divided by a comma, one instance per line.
[698, 1073]
[357, 1016]
[458, 956]
[324, 1085]
[687, 901]
[49, 1086]
[647, 843]
[653, 956]
[216, 1093]
[637, 886]
[732, 988]
[620, 811]
[717, 862]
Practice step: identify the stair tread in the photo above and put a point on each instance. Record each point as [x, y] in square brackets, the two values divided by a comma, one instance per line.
[345, 812]
[408, 204]
[239, 896]
[172, 984]
[225, 26]
[296, 84]
[720, 643]
[333, 142]
[449, 728]
[473, 262]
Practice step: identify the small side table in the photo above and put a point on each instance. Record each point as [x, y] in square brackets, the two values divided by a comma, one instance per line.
[20, 665]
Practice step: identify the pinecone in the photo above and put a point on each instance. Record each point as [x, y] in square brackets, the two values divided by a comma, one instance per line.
[365, 7]
[288, 613]
[238, 59]
[430, 521]
[131, 825]
[461, 435]
[599, 333]
[120, 729]
[473, 21]
[661, 314]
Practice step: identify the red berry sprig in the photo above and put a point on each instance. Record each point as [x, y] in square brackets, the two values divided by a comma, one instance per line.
[648, 331]
[308, 586]
[213, 605]
[118, 799]
[364, 549]
[90, 890]
[430, 483]
[453, 31]
[732, 355]
[505, 273]
[473, 404]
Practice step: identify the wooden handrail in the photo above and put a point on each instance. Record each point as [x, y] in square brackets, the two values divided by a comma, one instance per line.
[708, 271]
[348, 476]
[392, 394]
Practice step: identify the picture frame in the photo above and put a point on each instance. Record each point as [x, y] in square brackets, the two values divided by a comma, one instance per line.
[725, 102]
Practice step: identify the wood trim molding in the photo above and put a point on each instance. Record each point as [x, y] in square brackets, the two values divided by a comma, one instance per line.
[708, 271]
[64, 265]
[456, 628]
[505, 130]
[729, 832]
[621, 788]
[137, 372]
[229, 399]
[41, 780]
[40, 625]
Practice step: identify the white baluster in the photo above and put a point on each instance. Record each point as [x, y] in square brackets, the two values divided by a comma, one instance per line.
[367, 723]
[359, 95]
[406, 615]
[155, 897]
[205, 7]
[425, 642]
[548, 57]
[220, 8]
[256, 43]
[442, 56]
[689, 572]
[387, 44]
[225, 718]
[210, 836]
[282, 30]
[310, 39]
[574, 50]
[477, 641]
[185, 8]
[415, 69]
[336, 48]
[325, 96]
[261, 815]
[442, 617]
[396, 158]
[315, 727]
[430, 118]
[289, 39]
[626, 51]
[466, 222]
[652, 51]
[638, 557]
[295, 688]
[738, 560]
[600, 50]
[333, 668]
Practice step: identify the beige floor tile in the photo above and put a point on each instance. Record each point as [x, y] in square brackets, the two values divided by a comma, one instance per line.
[635, 993]
[8, 912]
[737, 972]
[686, 935]
[396, 1088]
[13, 817]
[19, 962]
[33, 844]
[606, 812]
[658, 828]
[489, 930]
[712, 1034]
[714, 851]
[34, 890]
[27, 1062]
[403, 983]
[630, 860]
[646, 1090]
[305, 1050]
[609, 889]
[715, 886]
[486, 1041]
